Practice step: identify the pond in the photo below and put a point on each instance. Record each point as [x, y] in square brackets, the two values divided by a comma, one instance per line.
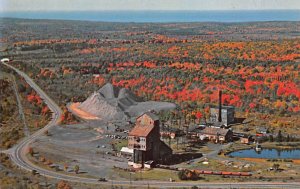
[268, 153]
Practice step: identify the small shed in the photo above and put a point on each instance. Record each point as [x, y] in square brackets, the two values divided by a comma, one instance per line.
[149, 164]
[262, 131]
[246, 139]
[126, 151]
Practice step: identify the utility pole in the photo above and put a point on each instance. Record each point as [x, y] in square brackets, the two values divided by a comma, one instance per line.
[169, 137]
[130, 179]
[46, 182]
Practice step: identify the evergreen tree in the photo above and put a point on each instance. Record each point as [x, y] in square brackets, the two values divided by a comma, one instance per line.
[271, 138]
[279, 136]
[288, 138]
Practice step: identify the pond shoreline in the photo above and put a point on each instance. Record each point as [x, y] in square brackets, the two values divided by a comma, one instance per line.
[262, 160]
[266, 146]
[267, 153]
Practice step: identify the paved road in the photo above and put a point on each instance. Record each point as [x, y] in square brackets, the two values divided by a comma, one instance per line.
[18, 156]
[216, 150]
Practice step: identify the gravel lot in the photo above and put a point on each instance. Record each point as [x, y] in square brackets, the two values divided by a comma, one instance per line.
[87, 145]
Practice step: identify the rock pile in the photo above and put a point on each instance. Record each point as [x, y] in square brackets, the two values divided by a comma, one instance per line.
[120, 104]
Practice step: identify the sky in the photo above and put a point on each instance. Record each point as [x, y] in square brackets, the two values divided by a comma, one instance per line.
[85, 5]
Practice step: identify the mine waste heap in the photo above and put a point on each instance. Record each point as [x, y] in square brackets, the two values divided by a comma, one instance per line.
[111, 102]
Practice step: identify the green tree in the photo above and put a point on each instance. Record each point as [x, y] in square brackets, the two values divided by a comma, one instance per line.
[76, 169]
[276, 166]
[182, 175]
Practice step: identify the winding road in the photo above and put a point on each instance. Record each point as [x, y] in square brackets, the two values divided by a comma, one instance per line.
[19, 151]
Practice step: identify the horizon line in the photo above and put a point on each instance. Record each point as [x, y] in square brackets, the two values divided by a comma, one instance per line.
[138, 22]
[138, 10]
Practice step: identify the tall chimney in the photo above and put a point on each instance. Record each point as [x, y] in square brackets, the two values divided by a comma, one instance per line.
[220, 106]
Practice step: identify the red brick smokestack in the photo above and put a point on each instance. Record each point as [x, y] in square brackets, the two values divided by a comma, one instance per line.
[220, 106]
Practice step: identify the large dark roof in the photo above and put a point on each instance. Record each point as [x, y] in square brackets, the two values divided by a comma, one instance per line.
[214, 131]
[141, 130]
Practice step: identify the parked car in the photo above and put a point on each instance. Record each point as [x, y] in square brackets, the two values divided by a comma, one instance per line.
[4, 60]
[102, 179]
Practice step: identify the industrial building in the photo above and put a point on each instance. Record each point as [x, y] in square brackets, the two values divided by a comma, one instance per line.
[222, 115]
[215, 134]
[145, 141]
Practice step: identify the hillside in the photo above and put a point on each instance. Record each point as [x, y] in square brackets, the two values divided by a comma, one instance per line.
[256, 65]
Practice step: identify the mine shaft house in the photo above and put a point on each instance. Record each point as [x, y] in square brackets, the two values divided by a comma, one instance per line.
[145, 141]
[227, 114]
[221, 115]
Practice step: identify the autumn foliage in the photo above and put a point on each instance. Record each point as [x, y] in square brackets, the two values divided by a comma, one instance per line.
[63, 185]
[256, 65]
[67, 117]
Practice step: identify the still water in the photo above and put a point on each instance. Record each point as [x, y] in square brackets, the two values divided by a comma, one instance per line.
[162, 16]
[268, 153]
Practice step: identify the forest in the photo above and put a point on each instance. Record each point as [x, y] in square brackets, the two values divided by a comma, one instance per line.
[256, 65]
